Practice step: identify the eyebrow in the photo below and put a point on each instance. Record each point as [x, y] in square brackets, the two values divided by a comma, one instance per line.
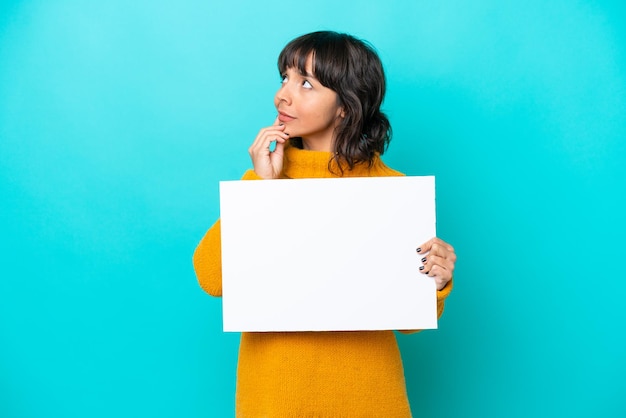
[306, 74]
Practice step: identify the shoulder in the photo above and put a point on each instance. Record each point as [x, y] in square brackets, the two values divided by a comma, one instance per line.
[380, 169]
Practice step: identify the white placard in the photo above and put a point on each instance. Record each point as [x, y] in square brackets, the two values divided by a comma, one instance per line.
[327, 254]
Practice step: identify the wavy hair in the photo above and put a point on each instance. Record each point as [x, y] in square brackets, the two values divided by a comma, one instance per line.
[350, 67]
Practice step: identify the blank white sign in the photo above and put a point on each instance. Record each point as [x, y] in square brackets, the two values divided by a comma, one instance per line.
[327, 254]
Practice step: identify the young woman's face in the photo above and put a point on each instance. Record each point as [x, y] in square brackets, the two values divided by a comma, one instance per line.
[308, 109]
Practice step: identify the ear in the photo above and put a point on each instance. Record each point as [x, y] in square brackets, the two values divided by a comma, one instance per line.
[341, 113]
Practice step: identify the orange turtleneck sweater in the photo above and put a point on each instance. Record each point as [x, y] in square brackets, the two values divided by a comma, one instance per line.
[313, 374]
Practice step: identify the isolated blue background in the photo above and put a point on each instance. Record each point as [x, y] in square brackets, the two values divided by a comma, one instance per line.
[118, 119]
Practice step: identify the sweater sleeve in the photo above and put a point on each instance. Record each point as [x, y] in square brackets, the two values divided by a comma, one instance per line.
[207, 258]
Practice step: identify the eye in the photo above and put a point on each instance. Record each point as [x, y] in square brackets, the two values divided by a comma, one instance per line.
[283, 78]
[306, 84]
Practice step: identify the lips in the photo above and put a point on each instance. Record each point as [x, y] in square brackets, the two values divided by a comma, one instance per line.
[284, 117]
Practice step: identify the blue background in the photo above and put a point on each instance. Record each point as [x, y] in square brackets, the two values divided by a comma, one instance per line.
[118, 119]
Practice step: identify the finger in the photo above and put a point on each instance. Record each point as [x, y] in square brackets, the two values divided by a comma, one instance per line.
[435, 245]
[273, 127]
[440, 283]
[266, 146]
[441, 276]
[435, 241]
[278, 153]
[428, 244]
[269, 132]
[277, 122]
[266, 136]
[431, 261]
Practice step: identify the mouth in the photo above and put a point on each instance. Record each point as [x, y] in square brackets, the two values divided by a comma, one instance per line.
[284, 117]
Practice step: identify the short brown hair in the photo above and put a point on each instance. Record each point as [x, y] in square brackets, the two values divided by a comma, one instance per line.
[350, 67]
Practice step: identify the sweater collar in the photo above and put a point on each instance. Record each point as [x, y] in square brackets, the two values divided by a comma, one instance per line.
[299, 163]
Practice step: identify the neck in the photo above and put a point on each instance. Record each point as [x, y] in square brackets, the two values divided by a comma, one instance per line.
[319, 144]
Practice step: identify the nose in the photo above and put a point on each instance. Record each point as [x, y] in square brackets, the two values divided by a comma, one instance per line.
[283, 94]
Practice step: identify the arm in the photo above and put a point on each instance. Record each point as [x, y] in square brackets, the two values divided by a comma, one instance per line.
[441, 297]
[207, 258]
[438, 262]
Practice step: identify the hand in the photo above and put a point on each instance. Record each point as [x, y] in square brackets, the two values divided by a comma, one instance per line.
[268, 165]
[438, 261]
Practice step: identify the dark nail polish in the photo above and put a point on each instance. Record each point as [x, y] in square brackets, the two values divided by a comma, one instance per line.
[419, 250]
[421, 267]
[424, 260]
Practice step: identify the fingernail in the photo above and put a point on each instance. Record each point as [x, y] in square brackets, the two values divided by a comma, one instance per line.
[421, 267]
[419, 250]
[424, 260]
